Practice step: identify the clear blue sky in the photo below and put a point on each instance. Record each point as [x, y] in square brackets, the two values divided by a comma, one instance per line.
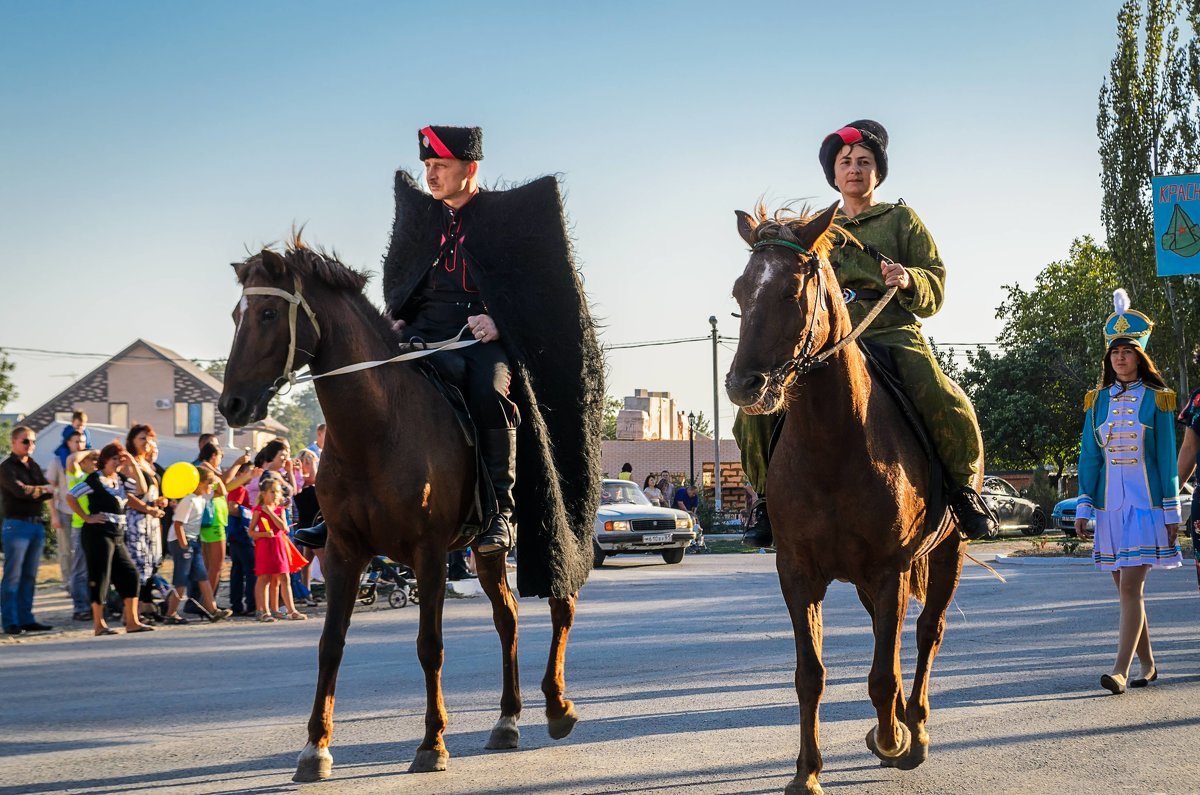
[144, 146]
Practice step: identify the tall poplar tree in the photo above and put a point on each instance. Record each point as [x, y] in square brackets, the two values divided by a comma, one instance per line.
[1149, 124]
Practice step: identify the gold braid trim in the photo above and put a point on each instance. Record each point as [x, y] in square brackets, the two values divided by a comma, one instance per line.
[1089, 399]
[1166, 400]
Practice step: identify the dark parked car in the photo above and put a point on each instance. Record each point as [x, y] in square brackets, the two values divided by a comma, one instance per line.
[1013, 509]
[1063, 515]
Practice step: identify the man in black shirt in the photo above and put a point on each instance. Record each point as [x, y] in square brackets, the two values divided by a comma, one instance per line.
[23, 489]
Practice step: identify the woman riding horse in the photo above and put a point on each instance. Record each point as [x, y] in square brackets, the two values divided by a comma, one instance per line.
[896, 251]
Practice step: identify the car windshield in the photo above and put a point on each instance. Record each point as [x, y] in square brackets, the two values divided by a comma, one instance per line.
[998, 486]
[622, 493]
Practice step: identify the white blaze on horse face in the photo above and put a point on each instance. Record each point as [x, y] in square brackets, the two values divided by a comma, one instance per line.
[770, 272]
[242, 304]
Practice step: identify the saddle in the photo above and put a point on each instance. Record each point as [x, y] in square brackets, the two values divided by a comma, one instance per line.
[882, 368]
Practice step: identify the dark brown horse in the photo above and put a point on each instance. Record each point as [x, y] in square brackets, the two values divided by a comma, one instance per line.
[847, 481]
[397, 478]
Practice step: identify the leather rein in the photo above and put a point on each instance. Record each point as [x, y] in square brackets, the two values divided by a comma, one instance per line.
[805, 361]
[296, 302]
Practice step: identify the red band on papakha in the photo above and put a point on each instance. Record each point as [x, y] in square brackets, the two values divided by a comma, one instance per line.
[436, 144]
[849, 135]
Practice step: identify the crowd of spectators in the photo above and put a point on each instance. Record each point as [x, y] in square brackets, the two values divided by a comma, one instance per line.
[115, 528]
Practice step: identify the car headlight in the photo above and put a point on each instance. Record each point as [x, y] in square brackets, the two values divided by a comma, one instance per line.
[619, 526]
[683, 523]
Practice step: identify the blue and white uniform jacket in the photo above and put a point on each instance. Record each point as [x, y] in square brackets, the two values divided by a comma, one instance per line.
[1127, 454]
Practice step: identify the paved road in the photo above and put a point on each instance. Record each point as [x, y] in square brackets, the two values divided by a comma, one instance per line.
[682, 676]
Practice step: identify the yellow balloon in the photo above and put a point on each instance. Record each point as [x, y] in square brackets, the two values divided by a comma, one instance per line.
[180, 480]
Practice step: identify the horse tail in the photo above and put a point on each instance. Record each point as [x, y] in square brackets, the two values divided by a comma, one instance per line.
[918, 578]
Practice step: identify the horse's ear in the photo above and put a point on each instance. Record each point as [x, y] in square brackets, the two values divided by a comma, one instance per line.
[812, 231]
[274, 263]
[745, 225]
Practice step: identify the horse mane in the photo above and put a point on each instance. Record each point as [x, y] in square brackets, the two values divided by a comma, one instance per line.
[305, 261]
[786, 221]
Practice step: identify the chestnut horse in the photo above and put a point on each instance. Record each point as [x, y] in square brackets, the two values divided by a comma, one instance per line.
[397, 478]
[847, 482]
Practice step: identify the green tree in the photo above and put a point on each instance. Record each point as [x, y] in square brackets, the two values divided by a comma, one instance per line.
[301, 413]
[1149, 124]
[703, 425]
[1029, 395]
[612, 406]
[8, 389]
[215, 368]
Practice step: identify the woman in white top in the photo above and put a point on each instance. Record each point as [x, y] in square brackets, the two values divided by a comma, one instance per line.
[653, 493]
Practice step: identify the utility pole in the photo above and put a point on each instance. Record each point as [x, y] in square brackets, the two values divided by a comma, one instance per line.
[712, 321]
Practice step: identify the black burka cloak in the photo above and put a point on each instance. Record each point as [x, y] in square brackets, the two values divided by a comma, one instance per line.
[518, 242]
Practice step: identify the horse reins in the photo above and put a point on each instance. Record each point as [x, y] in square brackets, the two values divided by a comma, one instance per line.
[296, 301]
[805, 362]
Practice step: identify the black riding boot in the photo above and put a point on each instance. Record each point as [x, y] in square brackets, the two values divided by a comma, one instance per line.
[500, 459]
[975, 517]
[758, 532]
[313, 537]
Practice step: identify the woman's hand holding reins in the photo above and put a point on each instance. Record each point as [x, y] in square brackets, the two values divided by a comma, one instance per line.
[1081, 529]
[895, 275]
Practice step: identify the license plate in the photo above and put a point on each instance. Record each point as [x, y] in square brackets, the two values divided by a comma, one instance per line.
[657, 539]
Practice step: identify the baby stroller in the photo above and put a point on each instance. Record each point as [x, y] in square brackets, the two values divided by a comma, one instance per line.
[155, 592]
[383, 576]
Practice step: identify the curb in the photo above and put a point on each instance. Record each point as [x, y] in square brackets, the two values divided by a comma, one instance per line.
[1029, 561]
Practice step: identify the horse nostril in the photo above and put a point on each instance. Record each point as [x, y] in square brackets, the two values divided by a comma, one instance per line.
[746, 383]
[231, 406]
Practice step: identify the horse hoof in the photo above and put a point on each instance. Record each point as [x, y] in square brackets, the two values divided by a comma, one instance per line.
[561, 727]
[890, 758]
[505, 734]
[808, 786]
[429, 761]
[314, 764]
[917, 753]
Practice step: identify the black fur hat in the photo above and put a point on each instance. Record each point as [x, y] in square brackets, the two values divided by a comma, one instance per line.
[460, 143]
[869, 133]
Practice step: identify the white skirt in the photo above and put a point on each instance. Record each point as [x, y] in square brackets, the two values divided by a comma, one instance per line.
[1133, 537]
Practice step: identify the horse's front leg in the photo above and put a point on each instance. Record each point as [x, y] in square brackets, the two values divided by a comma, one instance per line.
[492, 571]
[430, 568]
[342, 573]
[560, 712]
[890, 738]
[945, 569]
[803, 597]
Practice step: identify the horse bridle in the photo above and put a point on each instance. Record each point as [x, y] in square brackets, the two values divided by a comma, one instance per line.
[295, 302]
[805, 362]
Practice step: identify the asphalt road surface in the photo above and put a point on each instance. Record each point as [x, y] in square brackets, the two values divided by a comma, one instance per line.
[682, 676]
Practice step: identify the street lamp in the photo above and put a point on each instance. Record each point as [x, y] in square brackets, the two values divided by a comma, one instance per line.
[692, 445]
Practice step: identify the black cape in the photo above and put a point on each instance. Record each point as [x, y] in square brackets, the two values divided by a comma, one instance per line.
[525, 272]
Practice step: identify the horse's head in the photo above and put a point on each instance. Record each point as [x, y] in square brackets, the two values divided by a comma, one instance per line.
[277, 324]
[783, 297]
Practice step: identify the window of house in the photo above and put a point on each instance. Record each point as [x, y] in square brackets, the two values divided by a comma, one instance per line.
[63, 416]
[192, 419]
[118, 414]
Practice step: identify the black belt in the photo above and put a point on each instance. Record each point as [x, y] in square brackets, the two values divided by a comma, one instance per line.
[33, 519]
[467, 304]
[850, 295]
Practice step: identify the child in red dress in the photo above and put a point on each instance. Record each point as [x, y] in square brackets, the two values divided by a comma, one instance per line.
[272, 555]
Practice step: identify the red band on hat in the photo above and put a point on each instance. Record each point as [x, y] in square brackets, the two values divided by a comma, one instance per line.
[436, 144]
[849, 135]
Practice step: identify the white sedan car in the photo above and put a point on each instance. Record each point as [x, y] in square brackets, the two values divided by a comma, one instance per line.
[627, 522]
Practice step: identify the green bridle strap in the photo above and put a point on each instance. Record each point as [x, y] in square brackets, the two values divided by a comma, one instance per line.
[785, 243]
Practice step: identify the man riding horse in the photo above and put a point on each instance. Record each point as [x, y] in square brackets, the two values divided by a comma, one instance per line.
[896, 251]
[498, 264]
